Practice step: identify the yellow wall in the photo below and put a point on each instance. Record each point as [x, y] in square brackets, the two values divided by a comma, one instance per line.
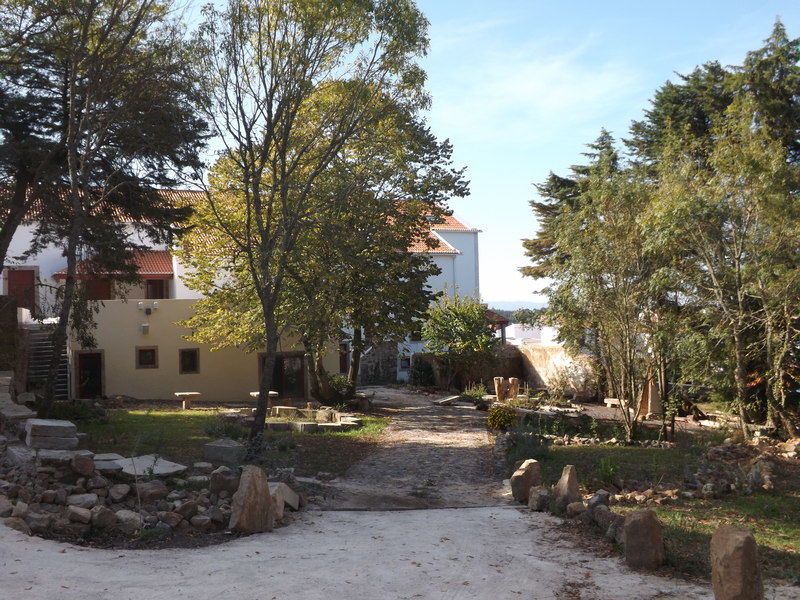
[225, 375]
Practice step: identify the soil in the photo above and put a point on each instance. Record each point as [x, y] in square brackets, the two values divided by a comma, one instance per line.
[429, 457]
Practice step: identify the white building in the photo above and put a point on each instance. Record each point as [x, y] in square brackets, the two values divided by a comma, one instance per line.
[521, 335]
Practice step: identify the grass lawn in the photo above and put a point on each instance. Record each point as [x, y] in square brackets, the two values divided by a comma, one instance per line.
[774, 517]
[179, 435]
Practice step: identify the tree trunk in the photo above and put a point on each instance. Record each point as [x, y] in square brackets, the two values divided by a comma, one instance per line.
[264, 385]
[326, 392]
[740, 380]
[355, 357]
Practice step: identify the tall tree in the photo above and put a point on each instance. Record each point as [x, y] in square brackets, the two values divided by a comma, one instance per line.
[104, 95]
[291, 84]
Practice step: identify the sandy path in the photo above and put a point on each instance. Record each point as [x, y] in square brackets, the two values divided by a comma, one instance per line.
[430, 457]
[468, 553]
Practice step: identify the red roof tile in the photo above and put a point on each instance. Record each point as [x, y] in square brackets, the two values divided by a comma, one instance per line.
[151, 264]
[452, 223]
[426, 246]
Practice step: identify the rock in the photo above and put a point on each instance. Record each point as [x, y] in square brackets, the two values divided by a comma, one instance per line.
[150, 466]
[96, 482]
[50, 428]
[575, 508]
[39, 522]
[103, 517]
[708, 492]
[223, 479]
[252, 507]
[18, 524]
[566, 490]
[151, 490]
[201, 522]
[177, 495]
[82, 500]
[224, 451]
[118, 491]
[203, 467]
[54, 458]
[217, 515]
[52, 443]
[170, 518]
[539, 498]
[187, 510]
[600, 498]
[527, 475]
[735, 568]
[76, 514]
[198, 481]
[643, 540]
[6, 507]
[82, 465]
[20, 509]
[128, 521]
[283, 496]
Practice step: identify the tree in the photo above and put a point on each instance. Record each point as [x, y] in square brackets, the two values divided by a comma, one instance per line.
[102, 100]
[457, 332]
[290, 85]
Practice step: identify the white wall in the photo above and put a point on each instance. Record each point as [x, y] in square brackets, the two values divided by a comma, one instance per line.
[466, 277]
[47, 262]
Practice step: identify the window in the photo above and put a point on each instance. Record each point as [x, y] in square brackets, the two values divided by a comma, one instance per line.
[155, 289]
[405, 363]
[189, 361]
[98, 289]
[147, 358]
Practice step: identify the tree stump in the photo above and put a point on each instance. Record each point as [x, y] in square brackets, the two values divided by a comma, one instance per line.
[500, 389]
[513, 388]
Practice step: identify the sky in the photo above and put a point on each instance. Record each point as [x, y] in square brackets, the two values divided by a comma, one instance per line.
[520, 87]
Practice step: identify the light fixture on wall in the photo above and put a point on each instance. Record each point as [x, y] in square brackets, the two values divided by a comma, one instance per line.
[155, 305]
[145, 328]
[140, 305]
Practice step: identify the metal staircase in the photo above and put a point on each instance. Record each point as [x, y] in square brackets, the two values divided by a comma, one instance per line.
[41, 349]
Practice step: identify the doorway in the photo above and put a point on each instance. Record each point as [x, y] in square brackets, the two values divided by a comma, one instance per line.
[90, 375]
[288, 375]
[22, 286]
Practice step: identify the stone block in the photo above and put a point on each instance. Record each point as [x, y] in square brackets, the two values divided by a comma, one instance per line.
[277, 426]
[224, 451]
[103, 517]
[51, 443]
[50, 428]
[527, 475]
[304, 426]
[76, 514]
[643, 540]
[149, 466]
[223, 479]
[283, 496]
[285, 412]
[575, 508]
[735, 568]
[21, 456]
[128, 521]
[82, 465]
[539, 498]
[82, 500]
[150, 491]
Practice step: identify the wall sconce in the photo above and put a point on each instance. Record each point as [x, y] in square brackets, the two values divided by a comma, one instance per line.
[145, 328]
[155, 305]
[140, 305]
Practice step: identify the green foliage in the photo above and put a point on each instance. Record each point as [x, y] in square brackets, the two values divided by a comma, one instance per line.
[223, 428]
[606, 470]
[421, 373]
[524, 444]
[342, 386]
[457, 332]
[79, 412]
[474, 392]
[501, 417]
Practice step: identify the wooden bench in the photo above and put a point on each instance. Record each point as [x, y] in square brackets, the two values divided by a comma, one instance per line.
[186, 398]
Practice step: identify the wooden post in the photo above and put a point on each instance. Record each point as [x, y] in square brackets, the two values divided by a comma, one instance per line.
[500, 389]
[513, 388]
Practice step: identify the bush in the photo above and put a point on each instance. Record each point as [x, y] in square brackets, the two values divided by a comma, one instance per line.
[342, 386]
[474, 393]
[82, 411]
[501, 417]
[422, 373]
[221, 428]
[524, 445]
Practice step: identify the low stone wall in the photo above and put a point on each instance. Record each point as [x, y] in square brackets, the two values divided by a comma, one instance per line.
[542, 363]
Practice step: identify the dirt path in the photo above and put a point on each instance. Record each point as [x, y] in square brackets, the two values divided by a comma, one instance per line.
[430, 457]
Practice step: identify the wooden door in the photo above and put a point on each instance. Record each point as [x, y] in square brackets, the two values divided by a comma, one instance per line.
[22, 286]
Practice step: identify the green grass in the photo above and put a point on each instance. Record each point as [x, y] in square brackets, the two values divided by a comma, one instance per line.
[178, 435]
[771, 516]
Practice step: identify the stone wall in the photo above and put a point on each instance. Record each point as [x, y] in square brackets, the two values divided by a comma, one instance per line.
[542, 363]
[379, 365]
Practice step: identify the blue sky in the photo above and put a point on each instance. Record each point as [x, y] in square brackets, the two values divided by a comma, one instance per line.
[520, 87]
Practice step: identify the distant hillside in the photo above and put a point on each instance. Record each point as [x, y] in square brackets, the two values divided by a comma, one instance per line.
[507, 309]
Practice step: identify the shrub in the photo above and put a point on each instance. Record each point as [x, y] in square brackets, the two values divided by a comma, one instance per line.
[222, 428]
[474, 392]
[422, 373]
[501, 417]
[524, 444]
[606, 469]
[83, 411]
[342, 386]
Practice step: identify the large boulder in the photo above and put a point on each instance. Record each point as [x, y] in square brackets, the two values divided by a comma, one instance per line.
[566, 491]
[252, 507]
[283, 496]
[527, 475]
[224, 451]
[539, 498]
[735, 569]
[643, 540]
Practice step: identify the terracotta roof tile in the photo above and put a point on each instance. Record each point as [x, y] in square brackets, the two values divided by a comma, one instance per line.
[426, 247]
[151, 264]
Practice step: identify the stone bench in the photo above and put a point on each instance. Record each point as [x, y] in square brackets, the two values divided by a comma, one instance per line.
[272, 396]
[612, 402]
[186, 398]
